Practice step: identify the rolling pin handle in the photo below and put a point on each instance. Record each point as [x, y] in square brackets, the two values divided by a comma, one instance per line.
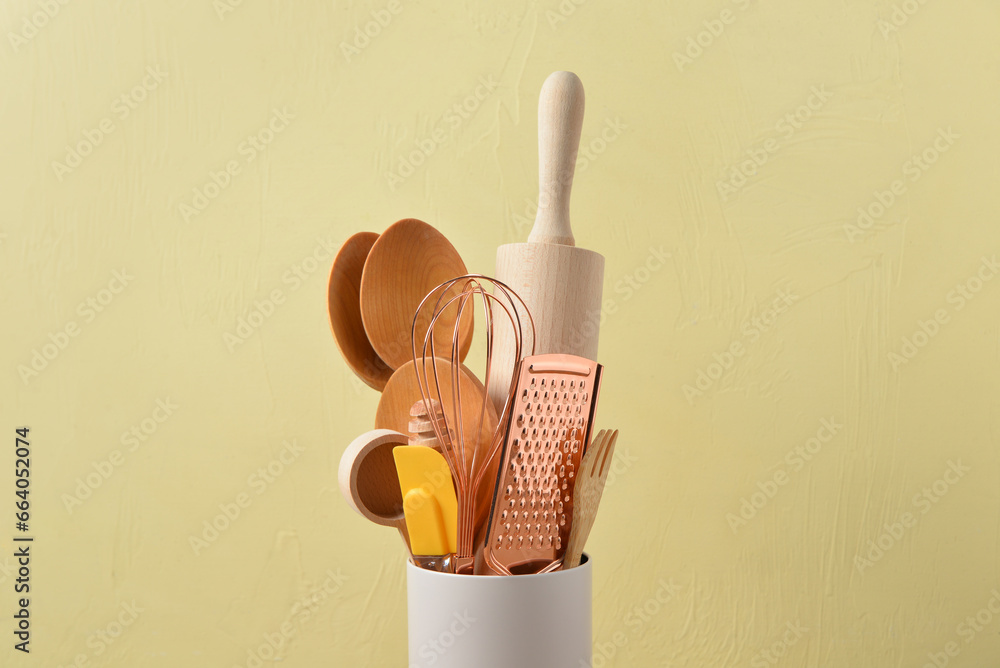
[560, 119]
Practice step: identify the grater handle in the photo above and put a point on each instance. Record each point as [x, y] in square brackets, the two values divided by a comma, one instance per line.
[559, 367]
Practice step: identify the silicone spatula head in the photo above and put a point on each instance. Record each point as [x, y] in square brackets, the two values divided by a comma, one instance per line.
[425, 522]
[425, 469]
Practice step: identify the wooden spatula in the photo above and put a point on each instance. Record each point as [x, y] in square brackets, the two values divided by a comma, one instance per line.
[587, 491]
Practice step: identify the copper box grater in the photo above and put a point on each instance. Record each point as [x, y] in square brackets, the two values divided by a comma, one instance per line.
[549, 426]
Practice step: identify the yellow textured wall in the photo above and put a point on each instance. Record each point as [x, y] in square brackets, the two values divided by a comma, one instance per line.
[802, 355]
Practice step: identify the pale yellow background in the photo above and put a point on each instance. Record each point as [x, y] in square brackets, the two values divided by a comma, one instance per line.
[683, 466]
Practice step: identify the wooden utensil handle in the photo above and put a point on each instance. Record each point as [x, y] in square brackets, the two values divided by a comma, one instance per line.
[560, 118]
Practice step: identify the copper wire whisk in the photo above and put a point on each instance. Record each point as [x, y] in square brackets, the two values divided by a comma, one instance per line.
[469, 455]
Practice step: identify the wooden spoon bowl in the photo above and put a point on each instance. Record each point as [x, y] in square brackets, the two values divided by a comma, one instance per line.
[405, 263]
[403, 391]
[343, 298]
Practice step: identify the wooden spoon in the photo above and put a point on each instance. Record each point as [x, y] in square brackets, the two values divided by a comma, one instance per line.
[368, 479]
[403, 391]
[344, 306]
[591, 476]
[406, 262]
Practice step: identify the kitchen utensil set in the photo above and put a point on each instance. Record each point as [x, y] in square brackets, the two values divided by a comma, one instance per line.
[501, 478]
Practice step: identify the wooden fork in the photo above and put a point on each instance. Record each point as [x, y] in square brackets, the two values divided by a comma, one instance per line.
[587, 490]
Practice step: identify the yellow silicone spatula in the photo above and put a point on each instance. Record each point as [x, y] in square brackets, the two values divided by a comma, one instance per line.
[425, 522]
[429, 502]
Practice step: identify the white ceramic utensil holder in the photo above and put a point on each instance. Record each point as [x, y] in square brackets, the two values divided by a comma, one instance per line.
[482, 621]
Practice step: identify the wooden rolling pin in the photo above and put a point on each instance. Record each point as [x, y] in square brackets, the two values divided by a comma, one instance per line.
[560, 283]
